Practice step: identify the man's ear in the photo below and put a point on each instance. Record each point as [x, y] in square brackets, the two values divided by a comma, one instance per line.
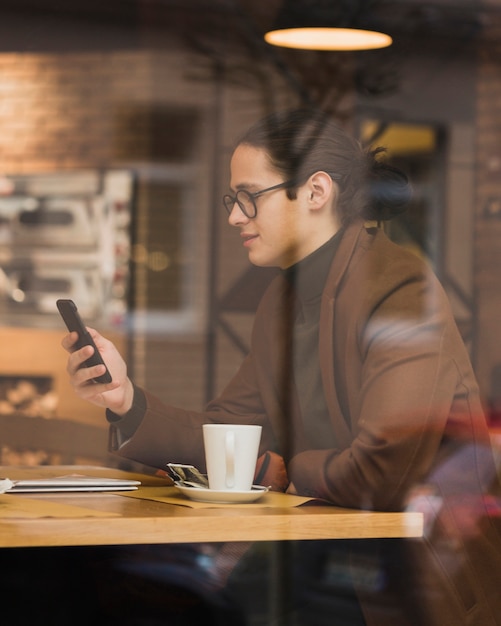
[321, 190]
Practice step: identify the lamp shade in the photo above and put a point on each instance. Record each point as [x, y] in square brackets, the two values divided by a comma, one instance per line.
[326, 25]
[323, 38]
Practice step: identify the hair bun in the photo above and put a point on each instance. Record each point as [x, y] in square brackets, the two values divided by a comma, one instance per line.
[389, 189]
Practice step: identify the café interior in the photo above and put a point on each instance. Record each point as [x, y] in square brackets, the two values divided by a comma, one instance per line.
[118, 120]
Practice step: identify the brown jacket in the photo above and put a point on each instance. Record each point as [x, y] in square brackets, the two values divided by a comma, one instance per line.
[405, 409]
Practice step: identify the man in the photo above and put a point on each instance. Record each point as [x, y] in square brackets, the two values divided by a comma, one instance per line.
[357, 372]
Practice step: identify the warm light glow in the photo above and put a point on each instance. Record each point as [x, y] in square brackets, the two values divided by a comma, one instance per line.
[328, 39]
[400, 138]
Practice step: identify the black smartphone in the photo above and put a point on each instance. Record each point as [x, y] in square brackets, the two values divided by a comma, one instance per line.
[73, 321]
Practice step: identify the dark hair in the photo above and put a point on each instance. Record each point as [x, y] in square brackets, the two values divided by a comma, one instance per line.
[304, 141]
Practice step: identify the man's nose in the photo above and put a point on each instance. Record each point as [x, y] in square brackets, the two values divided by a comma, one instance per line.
[237, 216]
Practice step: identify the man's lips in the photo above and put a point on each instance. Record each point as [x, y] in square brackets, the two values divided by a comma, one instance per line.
[248, 238]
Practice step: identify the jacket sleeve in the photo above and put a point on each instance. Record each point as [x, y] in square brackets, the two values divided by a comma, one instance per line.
[414, 395]
[170, 434]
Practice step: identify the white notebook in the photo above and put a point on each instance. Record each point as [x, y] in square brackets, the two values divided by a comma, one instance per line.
[71, 483]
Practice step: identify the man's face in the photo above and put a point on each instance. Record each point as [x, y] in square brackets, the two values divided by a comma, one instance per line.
[278, 235]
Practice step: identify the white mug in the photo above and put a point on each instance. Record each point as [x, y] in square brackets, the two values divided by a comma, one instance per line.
[231, 455]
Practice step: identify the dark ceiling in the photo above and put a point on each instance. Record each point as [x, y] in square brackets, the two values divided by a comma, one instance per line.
[32, 24]
[445, 29]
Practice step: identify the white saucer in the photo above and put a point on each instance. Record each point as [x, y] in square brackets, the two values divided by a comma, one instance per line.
[223, 497]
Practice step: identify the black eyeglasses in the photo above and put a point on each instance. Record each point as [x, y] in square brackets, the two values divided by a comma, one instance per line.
[247, 201]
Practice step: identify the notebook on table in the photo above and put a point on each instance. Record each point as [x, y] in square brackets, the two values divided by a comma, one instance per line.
[71, 482]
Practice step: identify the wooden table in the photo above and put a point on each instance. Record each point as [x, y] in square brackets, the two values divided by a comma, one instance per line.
[112, 519]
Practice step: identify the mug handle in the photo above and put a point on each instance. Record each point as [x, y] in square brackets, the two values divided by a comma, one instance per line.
[229, 445]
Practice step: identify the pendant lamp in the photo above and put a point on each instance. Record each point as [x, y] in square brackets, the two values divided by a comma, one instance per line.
[325, 25]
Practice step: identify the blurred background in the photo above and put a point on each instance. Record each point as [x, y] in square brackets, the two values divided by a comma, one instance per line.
[117, 121]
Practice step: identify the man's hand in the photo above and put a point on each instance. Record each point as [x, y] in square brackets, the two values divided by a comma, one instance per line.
[271, 472]
[117, 395]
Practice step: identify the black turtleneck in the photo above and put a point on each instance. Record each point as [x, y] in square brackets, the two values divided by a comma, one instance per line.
[307, 279]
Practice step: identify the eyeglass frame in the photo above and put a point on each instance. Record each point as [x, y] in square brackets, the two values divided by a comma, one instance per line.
[252, 196]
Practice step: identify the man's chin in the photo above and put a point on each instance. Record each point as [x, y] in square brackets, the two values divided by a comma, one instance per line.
[261, 262]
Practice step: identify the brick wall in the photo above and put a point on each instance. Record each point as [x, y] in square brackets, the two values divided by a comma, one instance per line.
[71, 111]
